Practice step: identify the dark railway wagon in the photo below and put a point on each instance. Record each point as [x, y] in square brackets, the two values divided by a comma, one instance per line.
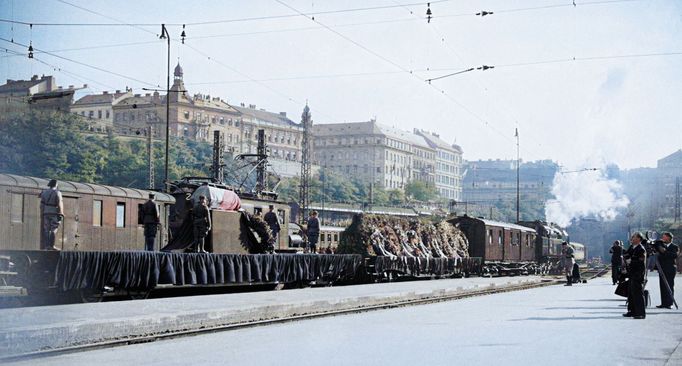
[496, 241]
[548, 240]
[96, 217]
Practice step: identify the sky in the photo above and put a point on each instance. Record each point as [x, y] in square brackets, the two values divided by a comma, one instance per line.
[613, 102]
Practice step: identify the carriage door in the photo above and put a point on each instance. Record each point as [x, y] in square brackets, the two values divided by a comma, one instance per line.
[68, 231]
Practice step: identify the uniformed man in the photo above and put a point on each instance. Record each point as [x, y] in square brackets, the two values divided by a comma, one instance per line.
[667, 255]
[52, 213]
[313, 231]
[567, 259]
[273, 222]
[636, 256]
[202, 224]
[150, 221]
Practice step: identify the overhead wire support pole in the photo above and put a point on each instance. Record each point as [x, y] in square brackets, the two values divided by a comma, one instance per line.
[518, 164]
[166, 36]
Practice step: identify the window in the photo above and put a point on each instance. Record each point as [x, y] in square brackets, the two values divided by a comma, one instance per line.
[329, 237]
[96, 213]
[186, 113]
[99, 114]
[120, 214]
[91, 114]
[336, 238]
[17, 214]
[499, 238]
[108, 115]
[322, 236]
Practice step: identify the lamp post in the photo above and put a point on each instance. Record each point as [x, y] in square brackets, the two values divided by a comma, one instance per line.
[166, 36]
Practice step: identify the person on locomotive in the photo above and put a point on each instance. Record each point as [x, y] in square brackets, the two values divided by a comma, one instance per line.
[667, 254]
[52, 213]
[616, 260]
[202, 224]
[636, 259]
[272, 220]
[567, 261]
[313, 231]
[150, 220]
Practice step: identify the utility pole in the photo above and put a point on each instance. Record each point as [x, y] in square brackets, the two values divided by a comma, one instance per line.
[518, 163]
[166, 36]
[218, 161]
[677, 199]
[262, 162]
[150, 157]
[306, 155]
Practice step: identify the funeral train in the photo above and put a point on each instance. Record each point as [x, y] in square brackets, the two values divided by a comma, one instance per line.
[102, 239]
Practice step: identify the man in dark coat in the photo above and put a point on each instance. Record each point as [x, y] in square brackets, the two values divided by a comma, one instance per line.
[313, 231]
[202, 224]
[667, 255]
[150, 220]
[52, 213]
[636, 254]
[616, 260]
[273, 222]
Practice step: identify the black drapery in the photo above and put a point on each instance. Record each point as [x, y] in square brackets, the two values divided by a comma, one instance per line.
[144, 270]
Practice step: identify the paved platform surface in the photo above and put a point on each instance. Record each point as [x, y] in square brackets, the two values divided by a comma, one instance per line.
[555, 325]
[27, 330]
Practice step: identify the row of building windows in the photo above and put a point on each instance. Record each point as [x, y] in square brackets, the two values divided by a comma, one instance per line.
[91, 114]
[345, 141]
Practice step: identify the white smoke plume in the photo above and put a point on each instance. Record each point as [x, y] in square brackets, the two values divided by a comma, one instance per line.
[581, 193]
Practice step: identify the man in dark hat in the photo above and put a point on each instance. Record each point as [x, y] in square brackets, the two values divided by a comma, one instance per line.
[667, 255]
[616, 260]
[150, 220]
[52, 213]
[273, 222]
[202, 224]
[636, 256]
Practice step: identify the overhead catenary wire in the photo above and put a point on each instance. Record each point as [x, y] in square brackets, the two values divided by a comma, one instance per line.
[312, 14]
[84, 64]
[211, 22]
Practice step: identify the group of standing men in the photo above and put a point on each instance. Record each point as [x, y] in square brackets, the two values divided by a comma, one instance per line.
[635, 260]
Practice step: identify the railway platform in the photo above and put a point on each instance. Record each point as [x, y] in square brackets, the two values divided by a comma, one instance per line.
[36, 330]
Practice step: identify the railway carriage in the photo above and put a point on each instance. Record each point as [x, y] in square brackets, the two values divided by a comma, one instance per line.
[496, 241]
[96, 217]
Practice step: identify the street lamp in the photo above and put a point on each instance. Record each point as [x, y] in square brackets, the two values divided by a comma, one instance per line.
[166, 36]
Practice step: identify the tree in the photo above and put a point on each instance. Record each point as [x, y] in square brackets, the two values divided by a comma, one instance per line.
[421, 191]
[49, 145]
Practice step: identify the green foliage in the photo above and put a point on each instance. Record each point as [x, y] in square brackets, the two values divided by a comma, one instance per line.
[46, 144]
[53, 145]
[421, 191]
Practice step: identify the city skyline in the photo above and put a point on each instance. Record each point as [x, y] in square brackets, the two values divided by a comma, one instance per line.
[348, 72]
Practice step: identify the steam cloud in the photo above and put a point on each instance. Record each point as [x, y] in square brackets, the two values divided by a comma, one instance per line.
[584, 193]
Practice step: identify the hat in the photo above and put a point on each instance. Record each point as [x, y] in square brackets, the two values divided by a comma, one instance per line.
[151, 195]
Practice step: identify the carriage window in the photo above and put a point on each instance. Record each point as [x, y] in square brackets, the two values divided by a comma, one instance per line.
[280, 216]
[321, 237]
[499, 237]
[96, 213]
[329, 237]
[490, 237]
[120, 214]
[17, 207]
[336, 238]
